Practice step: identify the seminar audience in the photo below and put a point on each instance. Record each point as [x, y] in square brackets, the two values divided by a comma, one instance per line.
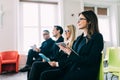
[58, 60]
[83, 62]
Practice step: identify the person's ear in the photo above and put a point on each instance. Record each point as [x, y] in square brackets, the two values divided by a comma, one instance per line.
[59, 31]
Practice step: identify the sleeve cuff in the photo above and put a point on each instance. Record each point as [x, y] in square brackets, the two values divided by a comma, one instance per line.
[57, 65]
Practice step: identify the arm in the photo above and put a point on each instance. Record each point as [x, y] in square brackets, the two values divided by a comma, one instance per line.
[46, 47]
[60, 59]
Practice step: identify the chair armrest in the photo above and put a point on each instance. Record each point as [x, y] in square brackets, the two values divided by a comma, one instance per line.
[17, 62]
[0, 58]
[18, 56]
[0, 63]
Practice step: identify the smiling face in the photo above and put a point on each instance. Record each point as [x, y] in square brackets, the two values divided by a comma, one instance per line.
[55, 32]
[82, 22]
[67, 33]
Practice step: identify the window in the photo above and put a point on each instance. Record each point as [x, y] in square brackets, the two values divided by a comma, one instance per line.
[48, 17]
[30, 25]
[35, 17]
[104, 27]
[103, 19]
[89, 8]
[102, 11]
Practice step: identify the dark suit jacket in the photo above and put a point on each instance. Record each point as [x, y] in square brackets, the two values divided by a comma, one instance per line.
[46, 47]
[55, 48]
[88, 58]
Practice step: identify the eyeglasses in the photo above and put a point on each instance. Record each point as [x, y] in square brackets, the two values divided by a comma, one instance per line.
[45, 34]
[82, 19]
[67, 31]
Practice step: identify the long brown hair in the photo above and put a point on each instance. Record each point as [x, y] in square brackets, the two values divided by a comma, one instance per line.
[93, 22]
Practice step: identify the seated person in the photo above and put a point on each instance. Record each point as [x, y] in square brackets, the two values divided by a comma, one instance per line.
[38, 67]
[57, 33]
[45, 49]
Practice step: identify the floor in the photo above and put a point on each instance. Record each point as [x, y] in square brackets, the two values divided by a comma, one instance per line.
[23, 76]
[14, 76]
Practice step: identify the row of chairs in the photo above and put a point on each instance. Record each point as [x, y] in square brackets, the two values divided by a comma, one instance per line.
[112, 57]
[9, 61]
[113, 60]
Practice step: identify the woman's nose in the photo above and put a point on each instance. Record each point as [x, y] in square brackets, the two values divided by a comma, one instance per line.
[78, 21]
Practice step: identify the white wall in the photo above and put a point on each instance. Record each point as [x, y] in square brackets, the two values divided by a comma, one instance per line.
[72, 7]
[119, 21]
[115, 23]
[8, 35]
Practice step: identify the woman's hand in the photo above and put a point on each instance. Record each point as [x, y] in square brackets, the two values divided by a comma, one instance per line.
[65, 49]
[53, 63]
[37, 49]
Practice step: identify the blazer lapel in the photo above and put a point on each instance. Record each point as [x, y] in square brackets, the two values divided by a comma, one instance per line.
[80, 46]
[76, 44]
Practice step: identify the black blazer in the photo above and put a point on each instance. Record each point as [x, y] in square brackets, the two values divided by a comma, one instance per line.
[46, 47]
[88, 58]
[55, 48]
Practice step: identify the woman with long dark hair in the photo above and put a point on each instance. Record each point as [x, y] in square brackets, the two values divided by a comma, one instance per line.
[84, 58]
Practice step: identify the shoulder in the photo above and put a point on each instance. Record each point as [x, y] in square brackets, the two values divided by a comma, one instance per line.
[97, 39]
[43, 43]
[80, 36]
[50, 41]
[61, 39]
[97, 36]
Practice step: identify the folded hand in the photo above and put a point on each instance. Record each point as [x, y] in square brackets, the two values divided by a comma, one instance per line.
[67, 50]
[52, 63]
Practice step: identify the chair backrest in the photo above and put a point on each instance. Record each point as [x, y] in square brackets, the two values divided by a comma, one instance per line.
[9, 55]
[114, 57]
[101, 72]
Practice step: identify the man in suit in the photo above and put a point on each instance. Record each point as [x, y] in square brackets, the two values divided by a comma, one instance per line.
[40, 66]
[34, 53]
[57, 33]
